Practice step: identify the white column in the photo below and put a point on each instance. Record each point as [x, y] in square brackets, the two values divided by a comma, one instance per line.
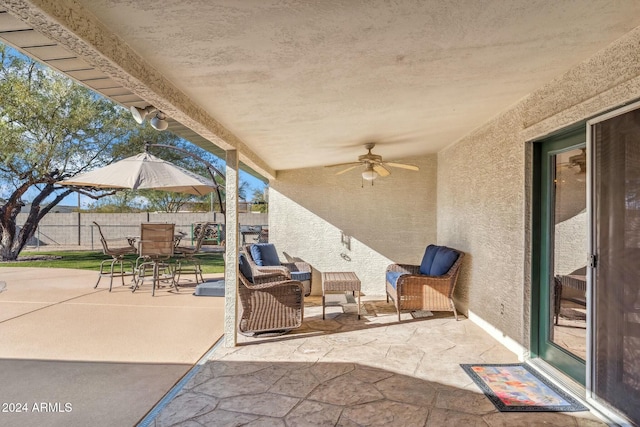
[231, 253]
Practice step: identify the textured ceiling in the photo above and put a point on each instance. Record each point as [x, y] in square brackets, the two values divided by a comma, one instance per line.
[307, 83]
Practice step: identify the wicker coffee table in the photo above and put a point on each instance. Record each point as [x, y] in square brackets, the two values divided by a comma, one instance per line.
[340, 282]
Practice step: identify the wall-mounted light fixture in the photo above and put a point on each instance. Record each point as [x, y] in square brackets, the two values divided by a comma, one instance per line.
[158, 121]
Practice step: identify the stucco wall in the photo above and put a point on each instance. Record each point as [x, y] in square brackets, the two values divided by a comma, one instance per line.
[474, 195]
[484, 183]
[480, 210]
[337, 223]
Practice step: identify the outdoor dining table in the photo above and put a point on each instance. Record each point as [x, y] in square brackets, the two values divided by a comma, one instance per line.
[257, 231]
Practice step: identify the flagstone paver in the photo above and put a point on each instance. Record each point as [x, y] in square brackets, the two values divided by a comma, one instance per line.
[344, 372]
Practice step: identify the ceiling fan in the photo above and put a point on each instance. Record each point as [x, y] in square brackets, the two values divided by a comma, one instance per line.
[373, 164]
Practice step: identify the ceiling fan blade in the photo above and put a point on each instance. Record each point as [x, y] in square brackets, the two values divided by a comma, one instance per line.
[402, 165]
[381, 170]
[343, 164]
[347, 169]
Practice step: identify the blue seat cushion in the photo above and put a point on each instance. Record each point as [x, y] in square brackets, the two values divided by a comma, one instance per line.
[393, 276]
[443, 261]
[265, 254]
[210, 289]
[245, 268]
[427, 259]
[300, 275]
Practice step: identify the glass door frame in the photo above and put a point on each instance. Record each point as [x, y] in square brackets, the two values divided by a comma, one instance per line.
[542, 203]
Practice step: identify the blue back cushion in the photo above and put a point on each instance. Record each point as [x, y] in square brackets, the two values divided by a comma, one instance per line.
[245, 268]
[427, 259]
[265, 254]
[443, 260]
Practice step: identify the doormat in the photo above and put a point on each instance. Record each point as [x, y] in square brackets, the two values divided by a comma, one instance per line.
[517, 388]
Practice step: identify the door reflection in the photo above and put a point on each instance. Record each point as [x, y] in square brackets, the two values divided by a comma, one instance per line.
[570, 245]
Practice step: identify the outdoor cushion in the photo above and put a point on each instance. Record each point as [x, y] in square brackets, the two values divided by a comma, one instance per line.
[393, 276]
[443, 260]
[265, 254]
[427, 259]
[301, 275]
[210, 289]
[245, 268]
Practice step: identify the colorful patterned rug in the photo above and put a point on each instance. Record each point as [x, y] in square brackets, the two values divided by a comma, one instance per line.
[517, 388]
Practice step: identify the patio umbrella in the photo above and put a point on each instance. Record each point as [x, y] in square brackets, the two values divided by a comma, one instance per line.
[144, 171]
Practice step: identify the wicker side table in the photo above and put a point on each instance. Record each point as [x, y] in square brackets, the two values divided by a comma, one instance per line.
[340, 282]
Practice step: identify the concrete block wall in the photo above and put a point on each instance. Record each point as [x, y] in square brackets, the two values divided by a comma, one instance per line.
[73, 229]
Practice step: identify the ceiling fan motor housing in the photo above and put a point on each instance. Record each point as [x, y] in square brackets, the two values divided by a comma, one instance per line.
[370, 158]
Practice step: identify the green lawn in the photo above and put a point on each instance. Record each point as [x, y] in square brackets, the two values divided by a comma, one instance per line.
[90, 260]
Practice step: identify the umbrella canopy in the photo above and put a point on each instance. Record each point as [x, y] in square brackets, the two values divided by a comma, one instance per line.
[144, 171]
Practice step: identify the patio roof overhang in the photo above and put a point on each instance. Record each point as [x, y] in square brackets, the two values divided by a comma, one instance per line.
[294, 85]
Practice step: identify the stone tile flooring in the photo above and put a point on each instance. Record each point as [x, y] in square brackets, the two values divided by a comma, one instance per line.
[345, 372]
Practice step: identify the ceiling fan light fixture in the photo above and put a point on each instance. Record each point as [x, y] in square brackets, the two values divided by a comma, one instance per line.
[369, 174]
[159, 122]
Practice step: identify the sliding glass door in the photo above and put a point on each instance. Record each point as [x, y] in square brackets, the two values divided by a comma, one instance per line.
[616, 243]
[586, 258]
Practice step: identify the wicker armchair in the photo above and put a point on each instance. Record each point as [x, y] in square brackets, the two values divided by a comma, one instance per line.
[298, 270]
[271, 303]
[411, 290]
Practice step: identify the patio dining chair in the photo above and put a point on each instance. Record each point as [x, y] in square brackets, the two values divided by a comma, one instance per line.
[117, 254]
[155, 249]
[186, 260]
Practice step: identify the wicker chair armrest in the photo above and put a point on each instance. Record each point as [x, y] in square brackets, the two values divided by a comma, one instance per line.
[276, 269]
[268, 278]
[297, 266]
[404, 268]
[423, 280]
[278, 284]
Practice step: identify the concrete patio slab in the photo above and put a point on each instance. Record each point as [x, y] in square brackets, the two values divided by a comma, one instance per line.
[46, 285]
[9, 309]
[109, 355]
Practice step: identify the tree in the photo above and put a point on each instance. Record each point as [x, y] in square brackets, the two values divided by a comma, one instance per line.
[51, 128]
[122, 201]
[162, 201]
[259, 200]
